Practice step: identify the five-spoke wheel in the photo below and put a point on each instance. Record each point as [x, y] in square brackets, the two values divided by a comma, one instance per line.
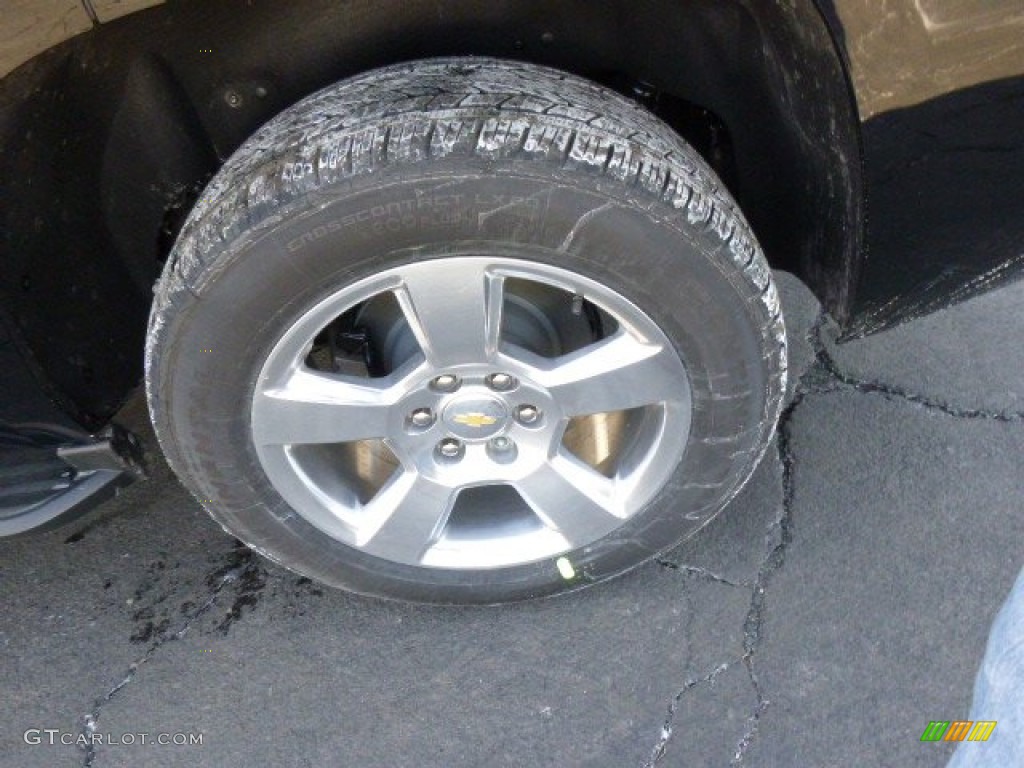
[484, 394]
[465, 331]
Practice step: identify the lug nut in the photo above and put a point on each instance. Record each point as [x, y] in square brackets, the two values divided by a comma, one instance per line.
[446, 383]
[449, 447]
[502, 450]
[527, 414]
[501, 444]
[500, 382]
[422, 417]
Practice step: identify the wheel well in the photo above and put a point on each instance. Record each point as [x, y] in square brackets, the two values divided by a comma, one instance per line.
[108, 138]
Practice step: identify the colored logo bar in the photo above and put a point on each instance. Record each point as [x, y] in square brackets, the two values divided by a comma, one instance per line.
[958, 730]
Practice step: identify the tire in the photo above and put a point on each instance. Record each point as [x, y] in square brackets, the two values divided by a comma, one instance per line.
[550, 246]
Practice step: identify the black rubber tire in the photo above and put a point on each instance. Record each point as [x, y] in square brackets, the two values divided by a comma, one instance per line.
[324, 194]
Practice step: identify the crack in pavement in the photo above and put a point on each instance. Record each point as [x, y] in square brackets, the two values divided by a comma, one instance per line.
[844, 380]
[701, 573]
[658, 751]
[230, 576]
[773, 561]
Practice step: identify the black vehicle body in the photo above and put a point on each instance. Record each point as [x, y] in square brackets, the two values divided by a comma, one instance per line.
[886, 206]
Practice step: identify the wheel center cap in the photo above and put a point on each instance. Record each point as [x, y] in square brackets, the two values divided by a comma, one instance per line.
[475, 417]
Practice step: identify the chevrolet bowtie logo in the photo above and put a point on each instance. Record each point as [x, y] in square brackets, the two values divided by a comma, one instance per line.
[474, 419]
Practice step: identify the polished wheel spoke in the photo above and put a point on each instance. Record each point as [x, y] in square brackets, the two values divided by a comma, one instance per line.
[615, 374]
[572, 499]
[314, 407]
[454, 309]
[406, 517]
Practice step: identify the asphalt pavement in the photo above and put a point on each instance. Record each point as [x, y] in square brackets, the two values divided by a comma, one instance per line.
[838, 605]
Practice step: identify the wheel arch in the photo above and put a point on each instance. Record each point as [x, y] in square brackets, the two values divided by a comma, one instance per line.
[109, 137]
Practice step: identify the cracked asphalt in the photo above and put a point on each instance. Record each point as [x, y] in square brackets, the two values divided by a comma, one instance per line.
[840, 603]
